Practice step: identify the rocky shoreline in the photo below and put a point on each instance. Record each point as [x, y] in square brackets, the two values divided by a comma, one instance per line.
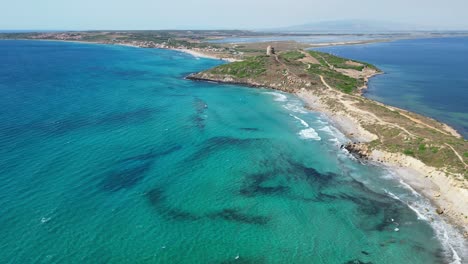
[194, 77]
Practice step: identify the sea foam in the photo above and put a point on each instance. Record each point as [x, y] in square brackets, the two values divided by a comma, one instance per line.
[309, 133]
[304, 123]
[451, 240]
[279, 97]
[295, 107]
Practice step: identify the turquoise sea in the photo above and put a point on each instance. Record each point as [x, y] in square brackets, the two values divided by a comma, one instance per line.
[426, 76]
[108, 155]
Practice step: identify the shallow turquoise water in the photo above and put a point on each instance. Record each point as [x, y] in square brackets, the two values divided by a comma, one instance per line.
[427, 76]
[107, 155]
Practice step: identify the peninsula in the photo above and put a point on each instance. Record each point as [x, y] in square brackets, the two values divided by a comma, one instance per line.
[431, 156]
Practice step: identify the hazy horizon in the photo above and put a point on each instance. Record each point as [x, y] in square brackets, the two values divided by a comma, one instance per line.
[211, 14]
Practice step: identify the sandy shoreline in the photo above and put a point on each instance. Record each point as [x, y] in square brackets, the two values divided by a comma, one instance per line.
[200, 54]
[446, 193]
[196, 53]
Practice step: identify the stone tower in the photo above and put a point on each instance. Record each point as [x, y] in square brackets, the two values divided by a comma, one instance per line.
[270, 50]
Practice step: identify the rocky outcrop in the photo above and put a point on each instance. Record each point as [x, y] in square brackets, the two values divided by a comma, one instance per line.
[360, 150]
[289, 84]
[223, 79]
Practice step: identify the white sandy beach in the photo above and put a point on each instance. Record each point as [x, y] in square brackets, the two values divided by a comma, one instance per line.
[200, 54]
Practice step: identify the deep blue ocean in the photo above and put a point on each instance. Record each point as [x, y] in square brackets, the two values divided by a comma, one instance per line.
[426, 76]
[108, 155]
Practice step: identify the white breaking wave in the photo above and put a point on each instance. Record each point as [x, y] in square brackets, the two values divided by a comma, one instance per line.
[309, 133]
[279, 97]
[328, 130]
[45, 219]
[392, 195]
[446, 233]
[419, 214]
[321, 122]
[407, 186]
[449, 237]
[452, 241]
[304, 123]
[295, 107]
[328, 127]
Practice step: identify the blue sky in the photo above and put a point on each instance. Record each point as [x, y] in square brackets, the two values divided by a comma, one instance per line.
[221, 14]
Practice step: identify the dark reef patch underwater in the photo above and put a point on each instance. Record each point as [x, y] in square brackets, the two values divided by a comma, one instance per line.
[108, 155]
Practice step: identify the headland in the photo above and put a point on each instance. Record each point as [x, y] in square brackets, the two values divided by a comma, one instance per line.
[429, 155]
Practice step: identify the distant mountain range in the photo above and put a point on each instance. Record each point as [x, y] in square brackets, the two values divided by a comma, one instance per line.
[351, 26]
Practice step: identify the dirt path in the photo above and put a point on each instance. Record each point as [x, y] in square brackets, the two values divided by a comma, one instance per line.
[325, 83]
[285, 66]
[448, 133]
[349, 105]
[421, 123]
[458, 155]
[329, 65]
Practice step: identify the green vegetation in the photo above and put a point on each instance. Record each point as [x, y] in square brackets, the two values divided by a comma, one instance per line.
[465, 154]
[249, 68]
[342, 82]
[422, 147]
[339, 62]
[370, 66]
[292, 55]
[436, 155]
[336, 79]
